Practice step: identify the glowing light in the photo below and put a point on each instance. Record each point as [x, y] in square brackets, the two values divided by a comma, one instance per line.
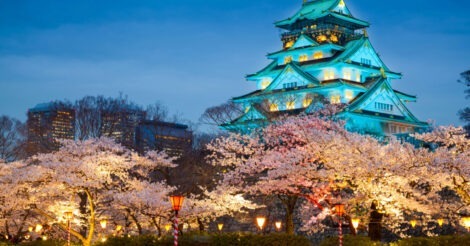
[273, 107]
[466, 222]
[44, 238]
[290, 105]
[103, 239]
[265, 83]
[335, 99]
[220, 226]
[27, 236]
[176, 202]
[30, 229]
[103, 223]
[287, 59]
[118, 227]
[413, 223]
[440, 222]
[355, 222]
[303, 58]
[307, 101]
[347, 75]
[260, 221]
[38, 228]
[318, 55]
[334, 38]
[289, 44]
[278, 225]
[68, 215]
[341, 4]
[321, 38]
[329, 74]
[167, 227]
[348, 94]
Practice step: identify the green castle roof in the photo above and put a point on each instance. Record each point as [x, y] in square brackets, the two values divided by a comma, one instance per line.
[317, 9]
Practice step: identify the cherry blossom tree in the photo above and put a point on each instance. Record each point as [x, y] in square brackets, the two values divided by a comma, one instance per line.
[51, 183]
[315, 159]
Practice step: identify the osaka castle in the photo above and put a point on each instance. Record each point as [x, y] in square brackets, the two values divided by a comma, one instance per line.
[326, 56]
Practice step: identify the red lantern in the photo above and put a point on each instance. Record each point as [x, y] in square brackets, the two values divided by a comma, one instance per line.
[339, 208]
[176, 202]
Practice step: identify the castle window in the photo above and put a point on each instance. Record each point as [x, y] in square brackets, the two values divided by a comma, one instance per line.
[348, 94]
[265, 83]
[365, 61]
[303, 58]
[383, 106]
[335, 99]
[318, 55]
[307, 101]
[273, 107]
[287, 59]
[329, 74]
[289, 85]
[288, 44]
[347, 74]
[290, 105]
[358, 76]
[321, 38]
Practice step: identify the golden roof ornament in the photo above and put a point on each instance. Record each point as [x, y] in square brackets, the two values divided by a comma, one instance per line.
[365, 33]
[382, 72]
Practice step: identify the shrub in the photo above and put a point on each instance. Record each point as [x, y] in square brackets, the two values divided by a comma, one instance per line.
[349, 240]
[434, 241]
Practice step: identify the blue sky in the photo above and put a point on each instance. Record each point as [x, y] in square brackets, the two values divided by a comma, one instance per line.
[193, 54]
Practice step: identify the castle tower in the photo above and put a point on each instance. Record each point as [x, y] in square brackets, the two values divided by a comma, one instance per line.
[326, 55]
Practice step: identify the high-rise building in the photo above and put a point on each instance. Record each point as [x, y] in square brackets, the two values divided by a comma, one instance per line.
[327, 55]
[121, 123]
[47, 124]
[173, 138]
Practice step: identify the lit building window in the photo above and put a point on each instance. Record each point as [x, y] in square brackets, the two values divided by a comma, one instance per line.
[347, 75]
[307, 101]
[329, 74]
[303, 58]
[290, 105]
[318, 55]
[334, 38]
[289, 44]
[358, 76]
[273, 107]
[321, 38]
[348, 94]
[287, 59]
[335, 99]
[265, 83]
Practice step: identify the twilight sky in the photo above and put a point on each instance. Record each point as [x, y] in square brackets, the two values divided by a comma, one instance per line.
[193, 54]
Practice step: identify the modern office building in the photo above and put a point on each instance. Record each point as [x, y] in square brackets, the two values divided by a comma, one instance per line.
[173, 138]
[47, 124]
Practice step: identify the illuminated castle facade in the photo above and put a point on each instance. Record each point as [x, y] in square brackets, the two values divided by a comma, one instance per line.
[327, 56]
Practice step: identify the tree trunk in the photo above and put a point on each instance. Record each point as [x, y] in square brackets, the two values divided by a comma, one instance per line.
[289, 205]
[83, 212]
[200, 224]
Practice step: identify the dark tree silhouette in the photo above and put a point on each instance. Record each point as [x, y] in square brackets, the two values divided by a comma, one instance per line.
[465, 113]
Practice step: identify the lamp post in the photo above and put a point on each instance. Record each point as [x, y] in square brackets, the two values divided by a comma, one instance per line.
[260, 221]
[339, 210]
[176, 203]
[69, 217]
[220, 226]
